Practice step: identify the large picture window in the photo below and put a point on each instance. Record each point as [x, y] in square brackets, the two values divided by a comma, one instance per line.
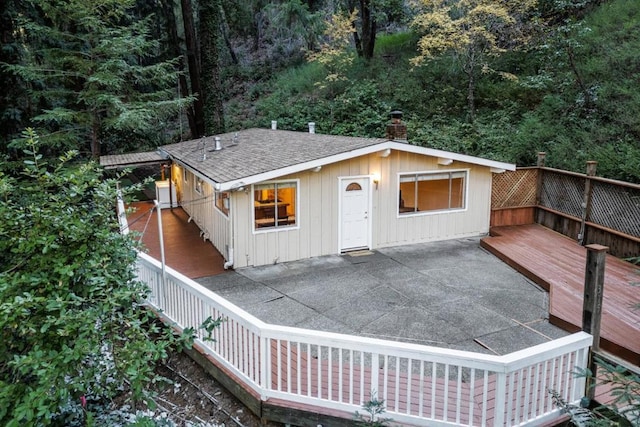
[428, 192]
[275, 205]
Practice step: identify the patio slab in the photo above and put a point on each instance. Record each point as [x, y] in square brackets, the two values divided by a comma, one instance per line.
[450, 294]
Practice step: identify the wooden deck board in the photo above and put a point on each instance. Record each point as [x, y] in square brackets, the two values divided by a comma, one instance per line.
[188, 253]
[557, 263]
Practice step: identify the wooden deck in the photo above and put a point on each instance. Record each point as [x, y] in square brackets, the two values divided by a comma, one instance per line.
[294, 366]
[557, 263]
[185, 249]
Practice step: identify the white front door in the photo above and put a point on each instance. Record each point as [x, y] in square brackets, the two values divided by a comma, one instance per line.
[354, 214]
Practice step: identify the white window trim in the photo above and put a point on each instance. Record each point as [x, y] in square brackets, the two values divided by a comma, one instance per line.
[185, 175]
[197, 181]
[275, 229]
[436, 212]
[215, 204]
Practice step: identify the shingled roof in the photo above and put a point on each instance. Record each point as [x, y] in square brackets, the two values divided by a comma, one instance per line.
[114, 161]
[256, 155]
[253, 152]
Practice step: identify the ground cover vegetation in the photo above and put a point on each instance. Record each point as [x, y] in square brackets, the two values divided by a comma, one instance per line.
[73, 332]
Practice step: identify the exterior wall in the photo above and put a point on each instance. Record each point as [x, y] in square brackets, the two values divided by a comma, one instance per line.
[391, 230]
[201, 209]
[317, 231]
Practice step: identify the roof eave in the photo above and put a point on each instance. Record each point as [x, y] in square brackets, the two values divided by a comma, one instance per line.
[266, 176]
[495, 166]
[451, 156]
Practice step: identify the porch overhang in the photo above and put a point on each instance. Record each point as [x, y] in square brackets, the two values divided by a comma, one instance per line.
[131, 160]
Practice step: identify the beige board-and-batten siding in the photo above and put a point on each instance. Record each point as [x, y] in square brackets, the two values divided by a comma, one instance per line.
[201, 209]
[317, 216]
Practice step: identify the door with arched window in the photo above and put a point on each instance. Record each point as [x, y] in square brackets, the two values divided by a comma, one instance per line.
[355, 217]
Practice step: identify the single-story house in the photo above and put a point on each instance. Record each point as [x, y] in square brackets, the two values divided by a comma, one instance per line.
[264, 196]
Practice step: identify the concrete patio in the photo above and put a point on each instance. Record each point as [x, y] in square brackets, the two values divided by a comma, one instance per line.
[449, 294]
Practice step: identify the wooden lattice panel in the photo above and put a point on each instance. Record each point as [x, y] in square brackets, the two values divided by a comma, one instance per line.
[562, 193]
[512, 189]
[616, 207]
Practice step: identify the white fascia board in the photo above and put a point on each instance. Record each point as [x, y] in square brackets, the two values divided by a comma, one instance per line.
[267, 176]
[449, 155]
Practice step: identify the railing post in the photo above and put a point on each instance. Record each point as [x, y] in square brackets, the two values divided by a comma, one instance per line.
[163, 286]
[375, 368]
[500, 400]
[586, 201]
[592, 304]
[541, 158]
[265, 365]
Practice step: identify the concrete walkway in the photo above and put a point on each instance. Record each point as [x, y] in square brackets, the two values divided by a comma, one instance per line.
[449, 294]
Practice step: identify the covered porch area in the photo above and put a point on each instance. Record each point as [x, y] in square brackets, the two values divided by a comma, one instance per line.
[185, 249]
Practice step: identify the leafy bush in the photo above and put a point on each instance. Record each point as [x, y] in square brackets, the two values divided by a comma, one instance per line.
[72, 329]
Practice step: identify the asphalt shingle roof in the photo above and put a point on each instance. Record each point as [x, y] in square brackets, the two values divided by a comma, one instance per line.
[130, 159]
[254, 151]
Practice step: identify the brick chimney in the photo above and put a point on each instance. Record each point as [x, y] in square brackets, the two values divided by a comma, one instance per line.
[396, 130]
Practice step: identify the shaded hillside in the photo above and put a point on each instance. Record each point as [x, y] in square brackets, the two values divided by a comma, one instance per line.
[575, 96]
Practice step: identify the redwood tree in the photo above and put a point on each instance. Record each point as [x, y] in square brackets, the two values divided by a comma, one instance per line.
[212, 93]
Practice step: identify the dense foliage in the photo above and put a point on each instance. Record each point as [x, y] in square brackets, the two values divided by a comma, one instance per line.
[84, 66]
[570, 91]
[497, 79]
[72, 332]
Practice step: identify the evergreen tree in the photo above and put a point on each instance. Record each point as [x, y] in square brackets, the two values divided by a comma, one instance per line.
[91, 71]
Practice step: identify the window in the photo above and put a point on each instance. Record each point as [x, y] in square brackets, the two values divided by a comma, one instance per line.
[275, 205]
[222, 202]
[428, 192]
[185, 175]
[198, 185]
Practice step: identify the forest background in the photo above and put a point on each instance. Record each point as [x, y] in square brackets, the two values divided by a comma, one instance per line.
[501, 80]
[492, 78]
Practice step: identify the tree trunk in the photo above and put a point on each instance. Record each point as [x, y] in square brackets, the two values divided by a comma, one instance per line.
[95, 141]
[368, 38]
[13, 93]
[212, 87]
[579, 80]
[225, 35]
[471, 101]
[470, 69]
[174, 40]
[194, 67]
[191, 116]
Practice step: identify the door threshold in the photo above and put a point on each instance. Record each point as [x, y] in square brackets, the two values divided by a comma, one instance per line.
[358, 252]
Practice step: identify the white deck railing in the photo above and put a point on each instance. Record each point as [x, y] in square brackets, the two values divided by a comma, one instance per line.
[420, 385]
